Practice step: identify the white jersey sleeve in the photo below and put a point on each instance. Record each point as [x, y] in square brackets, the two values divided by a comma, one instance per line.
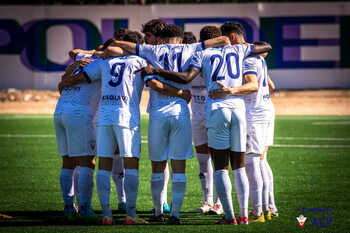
[250, 66]
[197, 60]
[93, 70]
[79, 56]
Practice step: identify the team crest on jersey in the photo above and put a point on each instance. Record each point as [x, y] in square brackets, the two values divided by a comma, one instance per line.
[93, 144]
[301, 220]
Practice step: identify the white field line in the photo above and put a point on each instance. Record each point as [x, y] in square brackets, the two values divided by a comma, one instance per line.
[144, 140]
[16, 117]
[27, 135]
[331, 123]
[313, 138]
[311, 146]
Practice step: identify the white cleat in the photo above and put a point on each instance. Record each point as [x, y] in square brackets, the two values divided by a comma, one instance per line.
[216, 209]
[204, 208]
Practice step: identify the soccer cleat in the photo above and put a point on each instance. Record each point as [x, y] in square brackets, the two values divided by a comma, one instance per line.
[255, 219]
[216, 209]
[267, 215]
[173, 221]
[70, 212]
[134, 221]
[87, 215]
[204, 208]
[107, 220]
[159, 218]
[226, 221]
[122, 207]
[243, 221]
[274, 213]
[166, 209]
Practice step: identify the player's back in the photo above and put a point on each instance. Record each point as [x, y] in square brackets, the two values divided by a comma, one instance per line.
[223, 65]
[80, 98]
[121, 89]
[258, 104]
[174, 57]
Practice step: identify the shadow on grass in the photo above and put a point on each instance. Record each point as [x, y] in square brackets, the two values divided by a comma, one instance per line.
[57, 218]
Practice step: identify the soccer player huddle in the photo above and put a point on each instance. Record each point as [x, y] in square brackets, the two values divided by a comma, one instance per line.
[98, 113]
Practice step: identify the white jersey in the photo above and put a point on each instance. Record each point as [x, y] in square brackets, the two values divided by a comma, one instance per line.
[222, 65]
[174, 57]
[258, 104]
[121, 89]
[80, 98]
[199, 95]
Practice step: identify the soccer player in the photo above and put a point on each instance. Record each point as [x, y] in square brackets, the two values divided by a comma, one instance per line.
[118, 122]
[199, 131]
[152, 30]
[221, 68]
[169, 124]
[73, 117]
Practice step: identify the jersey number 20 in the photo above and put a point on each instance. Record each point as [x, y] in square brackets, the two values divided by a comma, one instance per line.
[230, 58]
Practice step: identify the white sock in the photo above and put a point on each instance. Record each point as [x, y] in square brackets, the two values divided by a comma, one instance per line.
[206, 177]
[86, 185]
[131, 186]
[224, 190]
[271, 194]
[178, 184]
[252, 165]
[103, 184]
[67, 188]
[157, 184]
[76, 173]
[242, 189]
[118, 177]
[266, 185]
[166, 181]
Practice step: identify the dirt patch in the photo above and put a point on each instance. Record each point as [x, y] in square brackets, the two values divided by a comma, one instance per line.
[308, 102]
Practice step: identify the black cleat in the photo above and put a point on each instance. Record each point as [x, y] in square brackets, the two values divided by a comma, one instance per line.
[173, 221]
[159, 218]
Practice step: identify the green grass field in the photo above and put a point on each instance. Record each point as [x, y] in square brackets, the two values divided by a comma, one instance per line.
[310, 161]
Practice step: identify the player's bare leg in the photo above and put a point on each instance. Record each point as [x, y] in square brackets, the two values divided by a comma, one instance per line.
[66, 182]
[241, 183]
[221, 159]
[131, 186]
[178, 189]
[104, 187]
[86, 184]
[157, 189]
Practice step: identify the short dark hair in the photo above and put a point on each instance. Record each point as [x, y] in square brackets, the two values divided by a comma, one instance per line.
[171, 30]
[189, 38]
[153, 26]
[119, 35]
[209, 32]
[134, 37]
[106, 44]
[232, 27]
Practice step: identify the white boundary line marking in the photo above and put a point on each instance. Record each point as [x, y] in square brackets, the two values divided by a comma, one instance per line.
[313, 138]
[27, 135]
[331, 123]
[144, 140]
[311, 146]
